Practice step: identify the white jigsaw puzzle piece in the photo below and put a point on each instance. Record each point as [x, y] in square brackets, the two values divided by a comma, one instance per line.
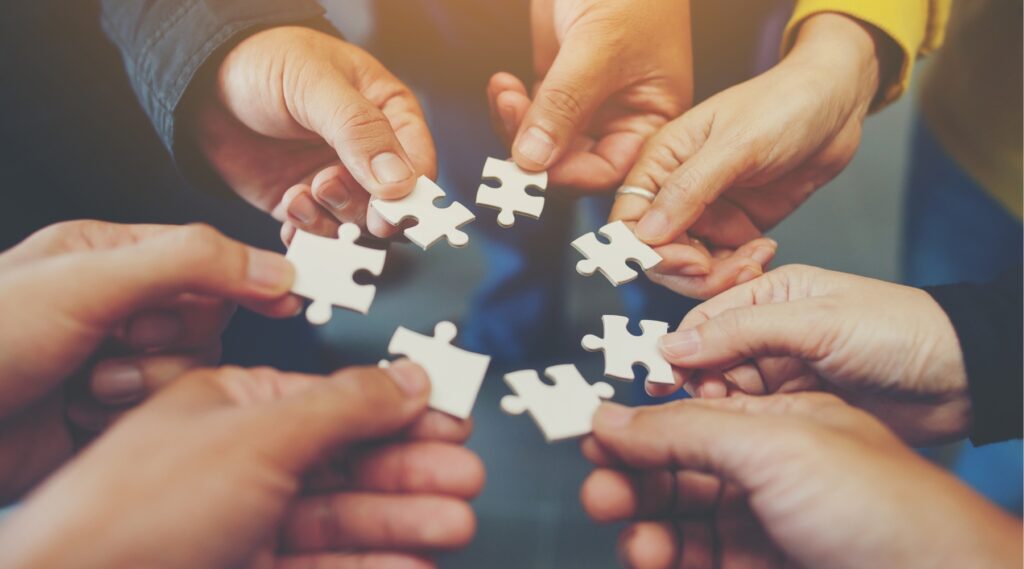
[610, 258]
[622, 349]
[432, 222]
[511, 196]
[324, 268]
[455, 374]
[562, 411]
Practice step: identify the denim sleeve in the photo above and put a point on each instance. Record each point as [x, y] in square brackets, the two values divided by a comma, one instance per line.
[165, 43]
[988, 323]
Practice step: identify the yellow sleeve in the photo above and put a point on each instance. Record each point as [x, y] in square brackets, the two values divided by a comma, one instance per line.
[917, 27]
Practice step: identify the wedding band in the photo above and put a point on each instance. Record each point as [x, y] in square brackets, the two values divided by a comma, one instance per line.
[635, 191]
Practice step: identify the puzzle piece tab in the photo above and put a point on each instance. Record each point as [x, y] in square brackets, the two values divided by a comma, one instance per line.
[455, 374]
[562, 411]
[511, 196]
[324, 268]
[622, 349]
[433, 222]
[610, 258]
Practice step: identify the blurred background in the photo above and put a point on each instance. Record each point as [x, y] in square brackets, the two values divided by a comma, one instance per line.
[79, 146]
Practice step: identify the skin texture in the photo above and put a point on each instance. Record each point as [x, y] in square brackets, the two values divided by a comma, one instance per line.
[738, 163]
[266, 469]
[603, 87]
[885, 347]
[308, 126]
[793, 480]
[95, 303]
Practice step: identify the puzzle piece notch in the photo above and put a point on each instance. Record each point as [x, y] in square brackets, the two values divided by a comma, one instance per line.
[455, 374]
[562, 411]
[324, 271]
[610, 258]
[622, 349]
[511, 197]
[432, 222]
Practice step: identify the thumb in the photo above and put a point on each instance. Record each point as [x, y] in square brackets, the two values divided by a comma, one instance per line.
[106, 286]
[353, 405]
[688, 190]
[707, 436]
[358, 130]
[738, 334]
[572, 90]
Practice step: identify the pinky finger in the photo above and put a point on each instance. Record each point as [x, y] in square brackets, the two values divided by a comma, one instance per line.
[649, 545]
[355, 560]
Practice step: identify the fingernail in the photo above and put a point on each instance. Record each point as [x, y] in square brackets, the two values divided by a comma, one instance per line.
[118, 382]
[333, 193]
[688, 388]
[508, 120]
[409, 376]
[680, 344]
[269, 270]
[763, 255]
[155, 330]
[302, 209]
[388, 168]
[694, 270]
[748, 274]
[614, 415]
[536, 145]
[773, 242]
[652, 226]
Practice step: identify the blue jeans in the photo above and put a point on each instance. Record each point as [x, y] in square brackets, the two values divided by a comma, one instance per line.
[955, 232]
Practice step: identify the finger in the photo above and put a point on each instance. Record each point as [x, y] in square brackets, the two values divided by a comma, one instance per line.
[600, 166]
[437, 426]
[185, 322]
[193, 259]
[610, 495]
[798, 329]
[727, 268]
[129, 379]
[302, 210]
[377, 521]
[337, 192]
[710, 437]
[725, 224]
[357, 129]
[508, 102]
[649, 545]
[424, 467]
[295, 419]
[707, 169]
[574, 87]
[287, 233]
[354, 560]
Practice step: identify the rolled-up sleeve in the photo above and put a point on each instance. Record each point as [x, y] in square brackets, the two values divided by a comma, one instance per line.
[165, 43]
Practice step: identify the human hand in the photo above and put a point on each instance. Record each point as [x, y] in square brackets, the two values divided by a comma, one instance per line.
[738, 163]
[808, 482]
[229, 491]
[128, 307]
[610, 74]
[888, 348]
[311, 126]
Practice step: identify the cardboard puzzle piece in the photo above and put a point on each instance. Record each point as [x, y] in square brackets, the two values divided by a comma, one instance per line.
[324, 268]
[432, 222]
[610, 258]
[622, 349]
[562, 411]
[511, 196]
[455, 374]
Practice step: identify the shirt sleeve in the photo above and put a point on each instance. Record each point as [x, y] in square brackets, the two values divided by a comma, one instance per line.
[988, 323]
[916, 26]
[165, 43]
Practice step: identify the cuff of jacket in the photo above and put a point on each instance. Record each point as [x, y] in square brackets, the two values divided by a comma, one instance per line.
[916, 26]
[987, 323]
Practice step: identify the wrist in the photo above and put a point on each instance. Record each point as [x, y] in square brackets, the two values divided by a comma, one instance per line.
[843, 52]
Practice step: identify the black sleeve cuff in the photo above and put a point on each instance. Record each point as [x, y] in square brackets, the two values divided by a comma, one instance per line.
[165, 45]
[988, 323]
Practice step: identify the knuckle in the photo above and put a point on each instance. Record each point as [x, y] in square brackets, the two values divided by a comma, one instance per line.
[562, 103]
[200, 242]
[362, 122]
